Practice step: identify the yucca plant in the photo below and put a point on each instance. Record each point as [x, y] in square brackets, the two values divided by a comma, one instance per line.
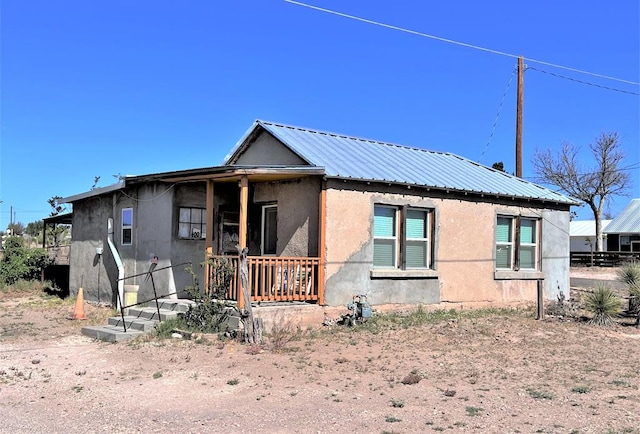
[634, 301]
[604, 304]
[629, 273]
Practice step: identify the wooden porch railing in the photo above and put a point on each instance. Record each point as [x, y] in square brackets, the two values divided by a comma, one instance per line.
[273, 279]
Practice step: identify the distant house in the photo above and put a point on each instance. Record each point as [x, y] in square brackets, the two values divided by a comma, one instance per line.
[583, 235]
[623, 233]
[326, 216]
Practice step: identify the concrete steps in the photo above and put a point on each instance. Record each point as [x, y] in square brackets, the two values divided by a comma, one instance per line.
[139, 320]
[134, 323]
[110, 333]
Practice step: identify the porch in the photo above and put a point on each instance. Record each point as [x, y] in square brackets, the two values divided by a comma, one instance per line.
[270, 279]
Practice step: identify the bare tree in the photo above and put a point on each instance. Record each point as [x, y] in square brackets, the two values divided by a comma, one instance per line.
[593, 185]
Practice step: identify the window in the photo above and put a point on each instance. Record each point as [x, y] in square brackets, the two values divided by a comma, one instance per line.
[269, 229]
[384, 236]
[417, 245]
[528, 244]
[504, 243]
[401, 237]
[127, 226]
[516, 243]
[192, 223]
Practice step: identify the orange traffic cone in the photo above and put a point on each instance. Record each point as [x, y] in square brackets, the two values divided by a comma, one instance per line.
[78, 312]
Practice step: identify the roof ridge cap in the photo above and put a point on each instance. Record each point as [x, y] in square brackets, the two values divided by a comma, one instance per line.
[346, 136]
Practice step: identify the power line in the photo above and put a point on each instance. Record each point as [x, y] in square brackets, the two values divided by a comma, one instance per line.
[581, 81]
[151, 199]
[495, 122]
[462, 44]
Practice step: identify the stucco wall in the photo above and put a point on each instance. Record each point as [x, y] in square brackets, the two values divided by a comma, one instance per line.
[349, 251]
[154, 234]
[95, 274]
[156, 229]
[267, 150]
[555, 253]
[464, 250]
[298, 204]
[193, 195]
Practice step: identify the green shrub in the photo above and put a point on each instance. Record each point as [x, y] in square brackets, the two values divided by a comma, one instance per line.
[211, 312]
[164, 329]
[208, 316]
[21, 262]
[604, 304]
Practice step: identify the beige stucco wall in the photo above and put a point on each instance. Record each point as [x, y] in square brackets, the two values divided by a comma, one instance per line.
[464, 250]
[466, 253]
[267, 150]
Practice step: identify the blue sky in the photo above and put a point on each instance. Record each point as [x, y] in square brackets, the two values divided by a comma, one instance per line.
[97, 88]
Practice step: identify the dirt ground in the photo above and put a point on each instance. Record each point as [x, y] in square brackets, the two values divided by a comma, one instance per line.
[497, 373]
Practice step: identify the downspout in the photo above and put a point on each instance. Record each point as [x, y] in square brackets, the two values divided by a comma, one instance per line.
[116, 257]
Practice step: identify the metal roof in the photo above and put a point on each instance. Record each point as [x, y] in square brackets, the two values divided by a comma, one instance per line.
[64, 219]
[95, 192]
[585, 228]
[356, 158]
[628, 221]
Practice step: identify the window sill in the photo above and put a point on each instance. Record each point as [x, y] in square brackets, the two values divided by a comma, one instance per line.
[388, 273]
[518, 275]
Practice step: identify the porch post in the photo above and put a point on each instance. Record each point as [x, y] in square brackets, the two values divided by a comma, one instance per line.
[242, 236]
[322, 240]
[209, 234]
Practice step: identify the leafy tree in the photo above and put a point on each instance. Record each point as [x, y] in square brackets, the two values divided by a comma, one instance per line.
[21, 262]
[56, 206]
[34, 229]
[593, 185]
[57, 234]
[498, 165]
[16, 228]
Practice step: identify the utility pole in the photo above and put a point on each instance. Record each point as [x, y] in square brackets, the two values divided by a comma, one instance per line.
[519, 117]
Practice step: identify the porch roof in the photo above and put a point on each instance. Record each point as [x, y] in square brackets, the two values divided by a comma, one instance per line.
[217, 173]
[355, 158]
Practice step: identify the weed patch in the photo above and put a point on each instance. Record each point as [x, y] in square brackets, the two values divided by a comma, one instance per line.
[397, 403]
[539, 394]
[581, 389]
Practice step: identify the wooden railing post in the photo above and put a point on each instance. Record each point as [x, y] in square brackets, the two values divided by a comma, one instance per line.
[252, 326]
[242, 238]
[207, 269]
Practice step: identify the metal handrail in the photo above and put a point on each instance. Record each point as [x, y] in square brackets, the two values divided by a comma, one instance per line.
[153, 284]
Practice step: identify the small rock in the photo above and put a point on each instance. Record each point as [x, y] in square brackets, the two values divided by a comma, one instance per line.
[176, 335]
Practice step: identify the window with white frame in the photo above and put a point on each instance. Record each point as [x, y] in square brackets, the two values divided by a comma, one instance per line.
[192, 223]
[402, 237]
[517, 246]
[127, 227]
